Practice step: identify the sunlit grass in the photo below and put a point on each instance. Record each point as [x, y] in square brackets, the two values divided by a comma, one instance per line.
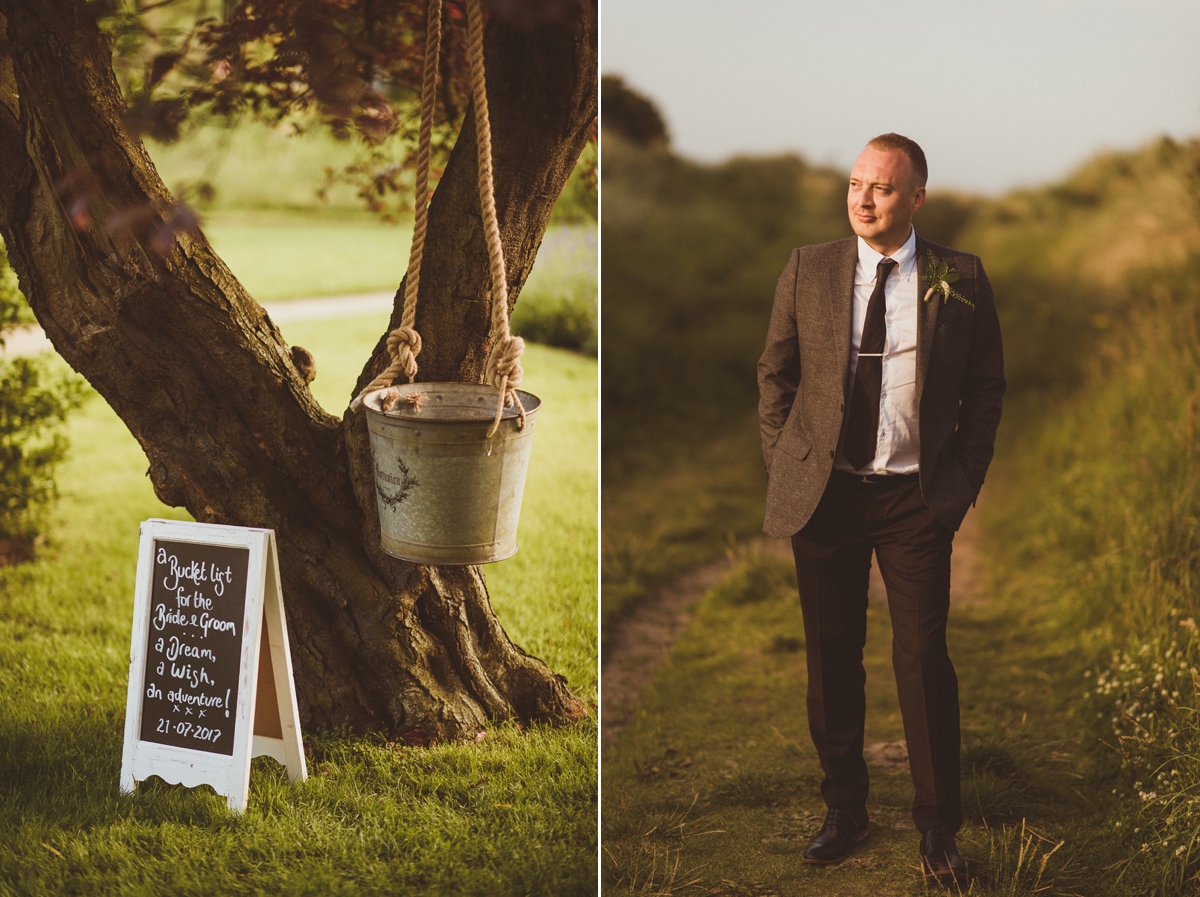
[289, 255]
[285, 255]
[513, 814]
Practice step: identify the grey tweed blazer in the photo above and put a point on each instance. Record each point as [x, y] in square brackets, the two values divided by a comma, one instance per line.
[802, 382]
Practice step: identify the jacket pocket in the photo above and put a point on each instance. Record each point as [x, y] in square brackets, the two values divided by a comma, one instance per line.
[957, 319]
[797, 445]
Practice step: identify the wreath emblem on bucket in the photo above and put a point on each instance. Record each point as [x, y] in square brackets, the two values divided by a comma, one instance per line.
[406, 483]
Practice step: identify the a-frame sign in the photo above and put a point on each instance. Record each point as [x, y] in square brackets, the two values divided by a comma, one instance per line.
[210, 671]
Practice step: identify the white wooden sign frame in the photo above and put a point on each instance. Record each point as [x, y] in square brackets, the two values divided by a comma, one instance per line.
[229, 775]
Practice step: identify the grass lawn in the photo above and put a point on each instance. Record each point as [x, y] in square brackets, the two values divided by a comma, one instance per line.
[288, 255]
[514, 814]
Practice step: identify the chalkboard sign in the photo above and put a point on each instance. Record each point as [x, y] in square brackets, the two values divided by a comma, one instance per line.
[193, 645]
[210, 677]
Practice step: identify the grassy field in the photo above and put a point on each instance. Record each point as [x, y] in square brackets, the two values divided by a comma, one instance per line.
[513, 814]
[675, 508]
[288, 255]
[255, 166]
[1078, 665]
[1099, 517]
[283, 241]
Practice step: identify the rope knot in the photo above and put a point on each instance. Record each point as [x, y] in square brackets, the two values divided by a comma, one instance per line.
[505, 373]
[404, 345]
[504, 364]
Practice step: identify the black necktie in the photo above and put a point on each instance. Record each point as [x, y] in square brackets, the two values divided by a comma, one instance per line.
[862, 431]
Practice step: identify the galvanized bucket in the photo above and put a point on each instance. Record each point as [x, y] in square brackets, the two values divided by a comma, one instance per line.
[447, 494]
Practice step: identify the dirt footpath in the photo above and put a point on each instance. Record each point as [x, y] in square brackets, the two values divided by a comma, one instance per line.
[642, 641]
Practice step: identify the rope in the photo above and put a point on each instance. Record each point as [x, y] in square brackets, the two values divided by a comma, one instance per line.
[503, 366]
[404, 343]
[503, 362]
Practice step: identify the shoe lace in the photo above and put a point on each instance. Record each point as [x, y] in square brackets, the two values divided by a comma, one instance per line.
[841, 817]
[939, 842]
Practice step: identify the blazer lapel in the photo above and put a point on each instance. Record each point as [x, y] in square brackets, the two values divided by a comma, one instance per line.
[927, 314]
[841, 294]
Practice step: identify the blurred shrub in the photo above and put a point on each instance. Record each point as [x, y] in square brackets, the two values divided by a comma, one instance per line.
[691, 256]
[33, 407]
[579, 201]
[1061, 257]
[566, 320]
[557, 306]
[628, 113]
[945, 216]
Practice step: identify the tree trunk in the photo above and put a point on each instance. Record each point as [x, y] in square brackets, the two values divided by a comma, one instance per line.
[204, 381]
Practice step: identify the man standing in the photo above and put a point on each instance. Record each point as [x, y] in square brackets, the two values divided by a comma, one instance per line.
[880, 391]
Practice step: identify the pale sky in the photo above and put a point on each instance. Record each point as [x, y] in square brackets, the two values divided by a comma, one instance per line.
[999, 93]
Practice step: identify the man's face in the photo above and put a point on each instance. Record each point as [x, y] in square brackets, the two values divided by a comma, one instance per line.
[882, 198]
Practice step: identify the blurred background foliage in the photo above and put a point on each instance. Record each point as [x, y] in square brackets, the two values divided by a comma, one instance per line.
[35, 397]
[1092, 511]
[692, 253]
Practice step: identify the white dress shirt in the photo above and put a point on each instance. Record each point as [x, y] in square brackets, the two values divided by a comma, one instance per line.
[898, 447]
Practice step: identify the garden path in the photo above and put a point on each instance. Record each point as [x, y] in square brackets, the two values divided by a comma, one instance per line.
[29, 339]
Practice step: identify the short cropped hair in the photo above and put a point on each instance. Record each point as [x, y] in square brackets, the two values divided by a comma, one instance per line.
[897, 143]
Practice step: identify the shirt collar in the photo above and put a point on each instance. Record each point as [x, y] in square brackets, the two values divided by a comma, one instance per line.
[905, 258]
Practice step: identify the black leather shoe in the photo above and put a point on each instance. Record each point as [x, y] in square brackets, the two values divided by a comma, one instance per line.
[843, 829]
[940, 859]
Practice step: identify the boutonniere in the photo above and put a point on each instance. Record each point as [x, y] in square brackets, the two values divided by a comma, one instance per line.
[940, 276]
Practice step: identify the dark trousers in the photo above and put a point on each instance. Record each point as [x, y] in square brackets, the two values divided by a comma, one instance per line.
[833, 566]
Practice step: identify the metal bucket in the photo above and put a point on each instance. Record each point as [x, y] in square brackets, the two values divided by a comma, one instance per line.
[446, 493]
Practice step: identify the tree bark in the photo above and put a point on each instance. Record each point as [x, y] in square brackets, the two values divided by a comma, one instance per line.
[204, 381]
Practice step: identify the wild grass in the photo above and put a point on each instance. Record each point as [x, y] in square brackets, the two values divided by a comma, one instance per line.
[1022, 861]
[676, 505]
[724, 726]
[757, 575]
[1090, 533]
[1107, 521]
[514, 813]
